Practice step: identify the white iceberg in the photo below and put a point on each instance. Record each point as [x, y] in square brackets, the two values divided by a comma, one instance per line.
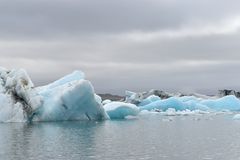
[16, 96]
[236, 117]
[70, 98]
[106, 101]
[173, 102]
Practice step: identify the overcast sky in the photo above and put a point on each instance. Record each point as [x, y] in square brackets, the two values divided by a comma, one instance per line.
[172, 45]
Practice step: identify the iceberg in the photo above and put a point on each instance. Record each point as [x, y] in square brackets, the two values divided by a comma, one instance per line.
[137, 98]
[106, 101]
[16, 95]
[149, 100]
[177, 103]
[230, 103]
[163, 105]
[69, 98]
[227, 92]
[120, 110]
[236, 117]
[73, 98]
[72, 101]
[142, 98]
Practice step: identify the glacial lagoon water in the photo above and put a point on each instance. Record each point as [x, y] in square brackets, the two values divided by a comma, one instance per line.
[196, 137]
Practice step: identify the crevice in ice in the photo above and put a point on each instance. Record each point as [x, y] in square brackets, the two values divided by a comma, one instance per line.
[89, 118]
[65, 106]
[25, 106]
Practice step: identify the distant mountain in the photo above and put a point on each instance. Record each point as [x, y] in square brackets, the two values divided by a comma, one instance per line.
[111, 97]
[131, 97]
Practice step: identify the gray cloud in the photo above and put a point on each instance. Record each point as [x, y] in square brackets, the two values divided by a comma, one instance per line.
[137, 45]
[27, 18]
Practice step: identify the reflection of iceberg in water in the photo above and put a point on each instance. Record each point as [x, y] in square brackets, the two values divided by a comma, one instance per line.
[54, 140]
[73, 98]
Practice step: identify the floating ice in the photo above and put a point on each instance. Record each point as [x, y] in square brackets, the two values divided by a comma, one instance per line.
[70, 98]
[16, 95]
[120, 110]
[73, 98]
[72, 101]
[175, 103]
[230, 103]
[142, 98]
[170, 112]
[149, 100]
[106, 101]
[236, 117]
[187, 112]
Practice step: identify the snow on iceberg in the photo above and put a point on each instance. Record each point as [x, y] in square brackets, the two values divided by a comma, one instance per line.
[16, 95]
[120, 110]
[70, 98]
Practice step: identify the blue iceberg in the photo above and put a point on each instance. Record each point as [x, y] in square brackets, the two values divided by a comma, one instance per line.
[149, 100]
[230, 103]
[73, 98]
[120, 110]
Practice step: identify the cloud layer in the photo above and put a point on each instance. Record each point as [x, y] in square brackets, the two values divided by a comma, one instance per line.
[137, 45]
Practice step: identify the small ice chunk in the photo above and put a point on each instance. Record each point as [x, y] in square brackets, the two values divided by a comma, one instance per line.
[120, 110]
[236, 117]
[106, 101]
[170, 112]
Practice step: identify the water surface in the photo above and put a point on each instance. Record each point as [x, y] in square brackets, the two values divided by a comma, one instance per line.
[146, 137]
